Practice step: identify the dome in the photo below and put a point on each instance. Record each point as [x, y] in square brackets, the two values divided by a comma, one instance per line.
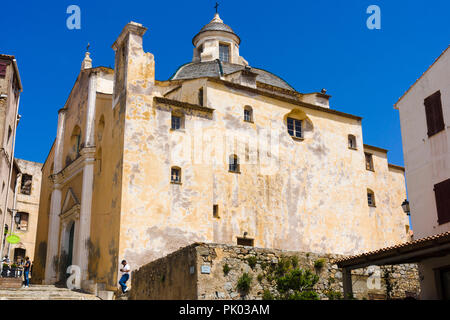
[217, 24]
[215, 69]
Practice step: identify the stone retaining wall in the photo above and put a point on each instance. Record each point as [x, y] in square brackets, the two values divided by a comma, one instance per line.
[197, 272]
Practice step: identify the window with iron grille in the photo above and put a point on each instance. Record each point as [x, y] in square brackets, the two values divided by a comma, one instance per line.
[433, 111]
[176, 175]
[224, 52]
[369, 162]
[294, 127]
[234, 164]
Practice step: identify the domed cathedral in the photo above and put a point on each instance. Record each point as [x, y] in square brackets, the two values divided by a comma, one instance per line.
[222, 152]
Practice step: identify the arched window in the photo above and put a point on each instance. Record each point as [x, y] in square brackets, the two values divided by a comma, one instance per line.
[234, 164]
[352, 142]
[248, 114]
[101, 128]
[75, 140]
[369, 162]
[370, 198]
[175, 175]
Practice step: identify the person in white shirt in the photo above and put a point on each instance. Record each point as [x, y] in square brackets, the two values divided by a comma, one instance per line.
[125, 275]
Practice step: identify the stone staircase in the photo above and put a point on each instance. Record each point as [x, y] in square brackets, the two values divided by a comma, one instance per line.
[44, 292]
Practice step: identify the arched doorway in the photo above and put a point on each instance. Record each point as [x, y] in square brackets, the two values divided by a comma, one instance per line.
[70, 248]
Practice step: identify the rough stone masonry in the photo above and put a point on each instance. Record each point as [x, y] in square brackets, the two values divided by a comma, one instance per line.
[197, 272]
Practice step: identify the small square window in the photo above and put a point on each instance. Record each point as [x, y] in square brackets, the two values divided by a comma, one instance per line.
[176, 122]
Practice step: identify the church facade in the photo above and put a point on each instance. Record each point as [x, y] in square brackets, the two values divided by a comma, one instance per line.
[221, 152]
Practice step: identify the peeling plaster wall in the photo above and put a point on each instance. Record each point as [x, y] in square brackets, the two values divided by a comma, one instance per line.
[43, 220]
[105, 218]
[315, 199]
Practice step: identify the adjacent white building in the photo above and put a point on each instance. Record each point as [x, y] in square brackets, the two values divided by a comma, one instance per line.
[425, 125]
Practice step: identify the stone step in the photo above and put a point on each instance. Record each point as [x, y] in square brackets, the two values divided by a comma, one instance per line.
[38, 292]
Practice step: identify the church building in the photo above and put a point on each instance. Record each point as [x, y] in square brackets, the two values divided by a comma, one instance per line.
[222, 152]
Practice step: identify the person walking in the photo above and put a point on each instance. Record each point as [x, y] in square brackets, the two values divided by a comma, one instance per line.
[125, 276]
[26, 271]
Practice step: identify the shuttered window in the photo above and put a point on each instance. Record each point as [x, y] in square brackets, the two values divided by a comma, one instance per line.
[2, 69]
[442, 194]
[433, 111]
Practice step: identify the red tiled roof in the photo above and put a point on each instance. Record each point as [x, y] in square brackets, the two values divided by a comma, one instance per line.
[407, 246]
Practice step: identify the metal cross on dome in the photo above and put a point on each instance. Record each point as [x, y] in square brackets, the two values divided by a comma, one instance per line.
[217, 7]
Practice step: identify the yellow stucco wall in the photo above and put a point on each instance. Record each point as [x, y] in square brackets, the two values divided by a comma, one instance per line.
[313, 196]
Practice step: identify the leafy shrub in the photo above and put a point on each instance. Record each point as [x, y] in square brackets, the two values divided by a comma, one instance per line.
[244, 282]
[260, 277]
[319, 263]
[294, 261]
[252, 261]
[226, 269]
[267, 295]
[333, 295]
[296, 282]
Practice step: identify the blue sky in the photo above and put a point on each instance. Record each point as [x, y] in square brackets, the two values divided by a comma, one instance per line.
[311, 44]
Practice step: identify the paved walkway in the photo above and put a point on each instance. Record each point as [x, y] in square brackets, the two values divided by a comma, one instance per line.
[43, 292]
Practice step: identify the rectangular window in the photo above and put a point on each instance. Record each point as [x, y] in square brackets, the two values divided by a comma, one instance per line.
[200, 97]
[433, 111]
[216, 211]
[248, 115]
[23, 226]
[370, 199]
[442, 195]
[26, 184]
[3, 69]
[245, 242]
[176, 175]
[176, 122]
[224, 53]
[369, 162]
[295, 127]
